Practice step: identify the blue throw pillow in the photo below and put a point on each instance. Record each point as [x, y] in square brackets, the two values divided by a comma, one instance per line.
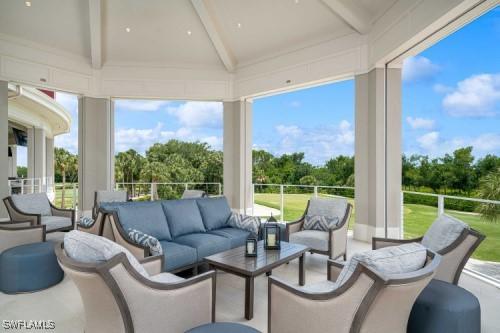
[86, 222]
[140, 238]
[147, 217]
[183, 217]
[245, 222]
[215, 212]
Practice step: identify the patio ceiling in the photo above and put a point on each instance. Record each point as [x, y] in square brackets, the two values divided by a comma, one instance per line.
[207, 49]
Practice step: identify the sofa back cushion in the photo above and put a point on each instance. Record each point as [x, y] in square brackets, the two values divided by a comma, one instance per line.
[387, 261]
[215, 212]
[147, 217]
[88, 248]
[183, 217]
[334, 207]
[34, 203]
[110, 196]
[443, 231]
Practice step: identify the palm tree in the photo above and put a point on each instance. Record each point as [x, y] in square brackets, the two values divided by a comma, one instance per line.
[65, 163]
[489, 188]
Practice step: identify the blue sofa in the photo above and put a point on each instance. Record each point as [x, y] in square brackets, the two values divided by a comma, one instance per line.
[188, 229]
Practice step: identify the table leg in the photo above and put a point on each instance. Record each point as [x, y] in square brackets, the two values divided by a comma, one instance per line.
[302, 273]
[249, 294]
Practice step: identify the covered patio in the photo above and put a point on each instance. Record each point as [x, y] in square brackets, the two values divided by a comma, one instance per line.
[232, 52]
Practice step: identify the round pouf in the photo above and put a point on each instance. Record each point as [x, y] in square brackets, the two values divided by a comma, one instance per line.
[223, 328]
[29, 267]
[445, 308]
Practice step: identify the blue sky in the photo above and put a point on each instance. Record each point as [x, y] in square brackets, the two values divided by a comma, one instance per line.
[451, 98]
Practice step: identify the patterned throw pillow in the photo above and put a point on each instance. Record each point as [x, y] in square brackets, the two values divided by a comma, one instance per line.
[86, 222]
[321, 223]
[245, 222]
[143, 239]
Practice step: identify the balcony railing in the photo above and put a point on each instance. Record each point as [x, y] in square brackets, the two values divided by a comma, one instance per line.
[155, 191]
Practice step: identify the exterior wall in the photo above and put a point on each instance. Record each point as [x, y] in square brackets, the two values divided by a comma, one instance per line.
[4, 138]
[95, 148]
[238, 155]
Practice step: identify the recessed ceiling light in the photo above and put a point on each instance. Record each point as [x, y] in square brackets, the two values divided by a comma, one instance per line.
[27, 3]
[239, 25]
[127, 29]
[189, 32]
[296, 1]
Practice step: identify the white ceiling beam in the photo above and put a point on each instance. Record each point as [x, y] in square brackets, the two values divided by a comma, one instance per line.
[355, 16]
[207, 18]
[95, 22]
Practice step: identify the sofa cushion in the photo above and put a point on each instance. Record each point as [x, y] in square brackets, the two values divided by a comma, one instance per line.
[315, 239]
[237, 237]
[177, 255]
[215, 212]
[34, 203]
[147, 217]
[320, 222]
[183, 217]
[205, 244]
[55, 222]
[92, 249]
[331, 207]
[143, 239]
[444, 231]
[245, 222]
[391, 260]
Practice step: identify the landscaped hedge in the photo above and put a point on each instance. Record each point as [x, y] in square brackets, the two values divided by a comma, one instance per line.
[449, 203]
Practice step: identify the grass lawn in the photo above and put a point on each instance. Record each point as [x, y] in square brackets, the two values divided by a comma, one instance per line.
[68, 196]
[417, 219]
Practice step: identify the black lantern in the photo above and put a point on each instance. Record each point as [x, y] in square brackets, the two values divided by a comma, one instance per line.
[272, 218]
[272, 236]
[251, 247]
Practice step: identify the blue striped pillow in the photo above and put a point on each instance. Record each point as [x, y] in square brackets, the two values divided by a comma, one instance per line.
[143, 239]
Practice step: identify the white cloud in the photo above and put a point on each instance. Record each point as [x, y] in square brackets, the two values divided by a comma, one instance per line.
[292, 130]
[140, 105]
[198, 114]
[418, 68]
[429, 141]
[432, 144]
[295, 104]
[420, 123]
[476, 96]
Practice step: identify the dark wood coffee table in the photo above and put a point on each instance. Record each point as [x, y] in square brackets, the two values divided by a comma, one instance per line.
[234, 262]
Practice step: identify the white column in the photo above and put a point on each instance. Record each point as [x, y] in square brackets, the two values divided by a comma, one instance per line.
[95, 148]
[4, 138]
[378, 154]
[49, 147]
[238, 155]
[37, 153]
[13, 161]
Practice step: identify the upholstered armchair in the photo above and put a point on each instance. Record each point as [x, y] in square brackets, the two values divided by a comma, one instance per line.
[122, 294]
[38, 210]
[332, 242]
[451, 238]
[95, 225]
[367, 301]
[20, 233]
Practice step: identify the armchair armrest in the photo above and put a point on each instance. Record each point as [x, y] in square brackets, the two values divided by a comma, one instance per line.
[16, 234]
[69, 213]
[96, 227]
[15, 224]
[333, 269]
[153, 265]
[295, 226]
[121, 237]
[378, 242]
[17, 215]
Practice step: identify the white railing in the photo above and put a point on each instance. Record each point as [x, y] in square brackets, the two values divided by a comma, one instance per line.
[31, 185]
[150, 190]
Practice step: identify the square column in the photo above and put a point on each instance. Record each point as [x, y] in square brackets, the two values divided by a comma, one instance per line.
[49, 157]
[37, 162]
[4, 139]
[95, 148]
[238, 155]
[13, 161]
[378, 154]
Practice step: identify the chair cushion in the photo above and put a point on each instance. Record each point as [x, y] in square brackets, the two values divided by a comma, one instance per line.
[88, 248]
[331, 207]
[34, 203]
[387, 261]
[315, 239]
[205, 244]
[245, 222]
[111, 196]
[183, 217]
[140, 238]
[166, 278]
[55, 222]
[320, 287]
[319, 222]
[237, 236]
[191, 194]
[444, 231]
[177, 255]
[215, 212]
[147, 217]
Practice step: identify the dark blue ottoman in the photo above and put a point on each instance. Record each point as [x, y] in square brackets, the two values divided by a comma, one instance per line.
[445, 308]
[29, 267]
[223, 328]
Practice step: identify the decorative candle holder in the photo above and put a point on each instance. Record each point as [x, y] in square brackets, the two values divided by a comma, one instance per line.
[272, 236]
[251, 247]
